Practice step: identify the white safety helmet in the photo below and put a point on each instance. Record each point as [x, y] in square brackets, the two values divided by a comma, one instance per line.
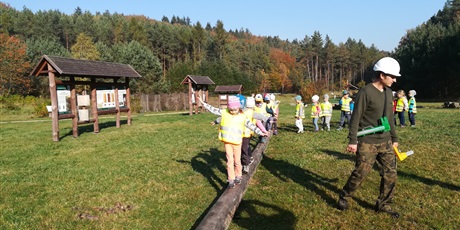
[250, 102]
[412, 93]
[259, 97]
[388, 65]
[315, 98]
[272, 97]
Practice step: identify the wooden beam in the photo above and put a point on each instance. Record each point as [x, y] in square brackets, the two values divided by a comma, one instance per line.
[66, 116]
[221, 213]
[117, 107]
[190, 104]
[54, 104]
[94, 111]
[74, 109]
[128, 100]
[97, 84]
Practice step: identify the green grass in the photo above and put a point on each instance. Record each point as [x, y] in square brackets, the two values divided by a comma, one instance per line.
[165, 172]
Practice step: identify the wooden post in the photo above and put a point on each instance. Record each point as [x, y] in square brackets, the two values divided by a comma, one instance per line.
[190, 104]
[117, 107]
[94, 105]
[73, 107]
[54, 104]
[117, 104]
[221, 213]
[128, 100]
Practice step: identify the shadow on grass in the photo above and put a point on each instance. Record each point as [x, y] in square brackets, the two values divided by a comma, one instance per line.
[288, 128]
[403, 174]
[310, 180]
[89, 128]
[204, 163]
[279, 218]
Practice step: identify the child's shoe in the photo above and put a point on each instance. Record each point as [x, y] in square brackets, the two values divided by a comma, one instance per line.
[231, 184]
[238, 180]
[245, 169]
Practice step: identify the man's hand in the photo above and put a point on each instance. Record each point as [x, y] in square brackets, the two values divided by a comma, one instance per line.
[352, 148]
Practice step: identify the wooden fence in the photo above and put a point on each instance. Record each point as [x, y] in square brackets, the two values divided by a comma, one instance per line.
[169, 102]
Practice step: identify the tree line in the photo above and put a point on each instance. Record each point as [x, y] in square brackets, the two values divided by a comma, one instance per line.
[165, 51]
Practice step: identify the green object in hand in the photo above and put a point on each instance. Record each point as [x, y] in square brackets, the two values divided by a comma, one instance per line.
[383, 127]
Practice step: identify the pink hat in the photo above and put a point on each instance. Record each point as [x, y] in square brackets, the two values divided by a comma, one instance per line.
[233, 102]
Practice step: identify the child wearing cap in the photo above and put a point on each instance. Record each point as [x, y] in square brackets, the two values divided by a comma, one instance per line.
[315, 111]
[326, 113]
[231, 131]
[299, 113]
[412, 108]
[345, 112]
[255, 118]
[262, 108]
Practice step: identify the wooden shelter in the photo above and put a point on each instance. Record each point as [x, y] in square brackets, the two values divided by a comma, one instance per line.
[95, 74]
[226, 90]
[197, 85]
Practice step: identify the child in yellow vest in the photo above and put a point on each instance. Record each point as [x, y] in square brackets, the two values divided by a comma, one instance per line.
[345, 112]
[275, 106]
[256, 118]
[315, 111]
[231, 132]
[326, 113]
[401, 106]
[299, 113]
[412, 108]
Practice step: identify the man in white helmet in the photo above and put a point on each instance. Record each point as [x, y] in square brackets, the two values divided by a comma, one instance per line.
[373, 106]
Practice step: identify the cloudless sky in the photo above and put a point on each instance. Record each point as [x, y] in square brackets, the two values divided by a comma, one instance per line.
[378, 22]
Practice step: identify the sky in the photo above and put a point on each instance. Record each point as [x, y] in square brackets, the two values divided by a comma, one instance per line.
[380, 23]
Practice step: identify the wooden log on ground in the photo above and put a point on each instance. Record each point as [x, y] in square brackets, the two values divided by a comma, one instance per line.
[221, 213]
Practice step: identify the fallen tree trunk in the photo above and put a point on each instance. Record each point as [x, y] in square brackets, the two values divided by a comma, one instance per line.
[221, 213]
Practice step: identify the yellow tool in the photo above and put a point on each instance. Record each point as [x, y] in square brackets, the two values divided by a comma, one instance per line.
[401, 156]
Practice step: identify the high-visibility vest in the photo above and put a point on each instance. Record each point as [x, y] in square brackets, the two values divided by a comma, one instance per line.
[412, 105]
[345, 104]
[326, 109]
[249, 114]
[299, 111]
[232, 127]
[262, 109]
[400, 104]
[276, 107]
[270, 105]
[315, 111]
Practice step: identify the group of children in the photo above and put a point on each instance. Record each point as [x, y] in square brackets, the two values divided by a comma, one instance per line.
[323, 111]
[258, 114]
[237, 124]
[319, 111]
[401, 104]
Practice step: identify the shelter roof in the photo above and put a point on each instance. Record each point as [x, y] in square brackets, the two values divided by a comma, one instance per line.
[84, 68]
[228, 88]
[199, 80]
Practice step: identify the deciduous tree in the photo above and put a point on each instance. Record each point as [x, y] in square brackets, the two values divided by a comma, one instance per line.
[13, 66]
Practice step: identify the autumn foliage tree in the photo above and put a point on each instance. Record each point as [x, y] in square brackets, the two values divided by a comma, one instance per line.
[13, 66]
[282, 64]
[85, 48]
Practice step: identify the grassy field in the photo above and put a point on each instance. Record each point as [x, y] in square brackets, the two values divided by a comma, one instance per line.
[166, 170]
